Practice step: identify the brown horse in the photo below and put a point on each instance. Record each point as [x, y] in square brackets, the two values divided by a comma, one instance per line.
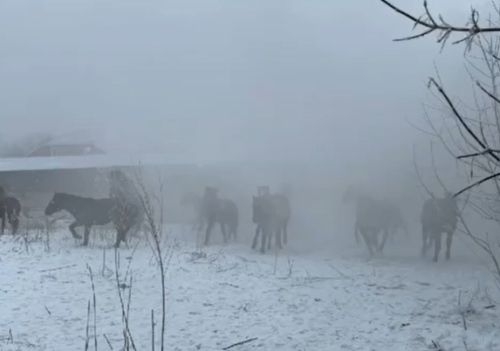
[89, 212]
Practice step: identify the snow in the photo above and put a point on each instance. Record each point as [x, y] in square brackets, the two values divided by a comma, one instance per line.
[331, 300]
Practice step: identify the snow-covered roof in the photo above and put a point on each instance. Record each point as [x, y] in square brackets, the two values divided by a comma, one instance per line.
[92, 161]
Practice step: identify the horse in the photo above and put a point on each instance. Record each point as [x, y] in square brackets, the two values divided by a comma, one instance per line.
[371, 219]
[395, 221]
[439, 215]
[223, 211]
[271, 213]
[89, 212]
[10, 208]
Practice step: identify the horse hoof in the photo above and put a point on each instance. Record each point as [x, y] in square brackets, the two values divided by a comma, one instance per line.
[434, 260]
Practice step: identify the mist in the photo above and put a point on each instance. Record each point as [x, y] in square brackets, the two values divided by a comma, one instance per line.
[308, 78]
[318, 84]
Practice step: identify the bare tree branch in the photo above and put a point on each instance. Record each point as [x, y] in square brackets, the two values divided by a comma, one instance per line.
[481, 181]
[480, 153]
[445, 30]
[433, 82]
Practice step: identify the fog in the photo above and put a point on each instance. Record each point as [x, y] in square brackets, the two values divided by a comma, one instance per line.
[309, 82]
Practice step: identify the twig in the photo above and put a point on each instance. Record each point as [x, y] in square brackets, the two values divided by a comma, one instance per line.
[152, 330]
[336, 270]
[87, 328]
[480, 181]
[94, 302]
[444, 28]
[107, 340]
[56, 269]
[239, 343]
[127, 335]
[441, 91]
[156, 231]
[434, 168]
[480, 153]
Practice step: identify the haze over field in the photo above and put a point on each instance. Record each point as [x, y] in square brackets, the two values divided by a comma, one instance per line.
[310, 78]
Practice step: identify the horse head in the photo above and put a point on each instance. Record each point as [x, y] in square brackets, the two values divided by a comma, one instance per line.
[54, 204]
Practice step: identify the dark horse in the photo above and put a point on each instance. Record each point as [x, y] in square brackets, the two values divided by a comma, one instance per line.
[10, 208]
[223, 211]
[89, 212]
[371, 219]
[439, 215]
[395, 221]
[271, 213]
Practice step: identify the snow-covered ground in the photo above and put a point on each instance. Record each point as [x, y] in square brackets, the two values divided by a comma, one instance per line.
[330, 300]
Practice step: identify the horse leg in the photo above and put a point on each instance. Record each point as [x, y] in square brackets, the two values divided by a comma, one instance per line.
[124, 230]
[72, 228]
[449, 240]
[234, 231]
[356, 233]
[256, 237]
[278, 237]
[119, 237]
[269, 238]
[14, 222]
[437, 245]
[86, 235]
[208, 231]
[385, 235]
[265, 235]
[285, 232]
[223, 231]
[366, 237]
[374, 239]
[425, 237]
[3, 220]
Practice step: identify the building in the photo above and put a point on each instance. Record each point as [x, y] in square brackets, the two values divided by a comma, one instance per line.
[78, 143]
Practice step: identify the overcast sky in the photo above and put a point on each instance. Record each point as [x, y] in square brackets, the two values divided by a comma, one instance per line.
[232, 78]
